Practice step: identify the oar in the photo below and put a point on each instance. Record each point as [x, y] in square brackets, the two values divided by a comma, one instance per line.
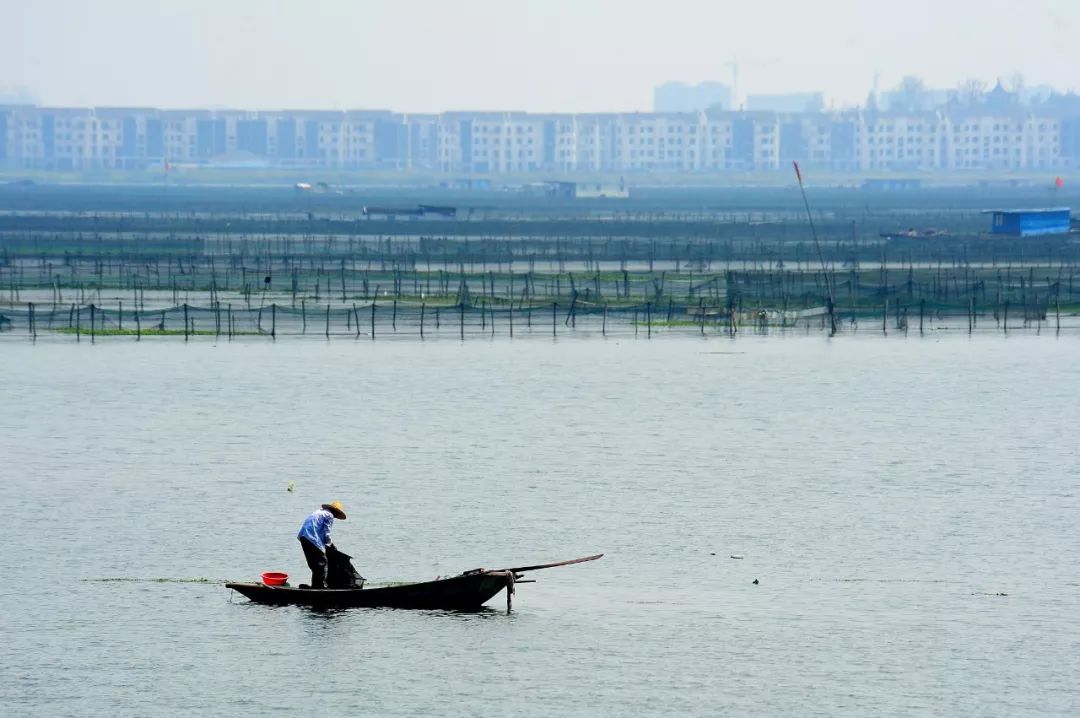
[522, 569]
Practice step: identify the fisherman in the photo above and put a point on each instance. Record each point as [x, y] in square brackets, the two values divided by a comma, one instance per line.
[315, 539]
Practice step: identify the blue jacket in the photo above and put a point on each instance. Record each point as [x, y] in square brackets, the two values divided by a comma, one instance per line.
[316, 528]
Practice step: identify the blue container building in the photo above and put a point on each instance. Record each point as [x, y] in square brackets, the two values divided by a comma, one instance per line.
[1030, 222]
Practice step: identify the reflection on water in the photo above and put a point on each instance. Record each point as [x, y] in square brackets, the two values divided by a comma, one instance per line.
[332, 613]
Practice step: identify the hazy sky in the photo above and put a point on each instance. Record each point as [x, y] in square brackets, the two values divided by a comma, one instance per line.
[546, 55]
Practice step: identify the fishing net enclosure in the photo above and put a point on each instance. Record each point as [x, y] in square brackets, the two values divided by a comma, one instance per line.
[76, 285]
[370, 320]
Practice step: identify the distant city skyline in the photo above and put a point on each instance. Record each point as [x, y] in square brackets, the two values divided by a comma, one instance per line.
[972, 130]
[554, 56]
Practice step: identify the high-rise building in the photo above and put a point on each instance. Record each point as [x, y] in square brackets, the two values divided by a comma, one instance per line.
[792, 102]
[681, 97]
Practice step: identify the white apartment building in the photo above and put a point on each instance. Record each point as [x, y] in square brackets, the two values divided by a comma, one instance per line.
[502, 142]
[893, 141]
[582, 143]
[493, 143]
[421, 144]
[766, 144]
[717, 144]
[665, 142]
[23, 137]
[1015, 141]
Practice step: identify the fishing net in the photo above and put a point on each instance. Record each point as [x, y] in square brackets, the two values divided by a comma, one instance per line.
[340, 572]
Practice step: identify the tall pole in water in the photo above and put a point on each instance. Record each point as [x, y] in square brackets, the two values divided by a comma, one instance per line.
[830, 305]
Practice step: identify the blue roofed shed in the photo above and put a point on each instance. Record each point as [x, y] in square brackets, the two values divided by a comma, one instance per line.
[1030, 222]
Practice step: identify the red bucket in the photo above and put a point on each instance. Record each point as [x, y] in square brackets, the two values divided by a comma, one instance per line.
[274, 578]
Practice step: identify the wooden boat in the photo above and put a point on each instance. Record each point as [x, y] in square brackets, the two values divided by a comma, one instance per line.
[465, 592]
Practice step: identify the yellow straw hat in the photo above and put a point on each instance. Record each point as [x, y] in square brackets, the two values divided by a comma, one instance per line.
[336, 509]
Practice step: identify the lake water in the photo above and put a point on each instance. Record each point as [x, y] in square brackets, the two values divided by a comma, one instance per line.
[884, 492]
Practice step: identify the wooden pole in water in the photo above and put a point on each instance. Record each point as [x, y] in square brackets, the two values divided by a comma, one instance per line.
[554, 313]
[422, 307]
[229, 319]
[327, 321]
[1005, 317]
[138, 327]
[603, 325]
[357, 316]
[648, 319]
[92, 322]
[185, 322]
[971, 314]
[461, 323]
[511, 315]
[120, 316]
[885, 317]
[303, 316]
[821, 257]
[922, 311]
[393, 320]
[31, 328]
[273, 321]
[78, 323]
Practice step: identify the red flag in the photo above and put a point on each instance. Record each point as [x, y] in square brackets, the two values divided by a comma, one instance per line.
[1059, 183]
[797, 172]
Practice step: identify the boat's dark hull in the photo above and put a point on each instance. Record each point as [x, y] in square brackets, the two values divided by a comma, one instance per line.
[465, 592]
